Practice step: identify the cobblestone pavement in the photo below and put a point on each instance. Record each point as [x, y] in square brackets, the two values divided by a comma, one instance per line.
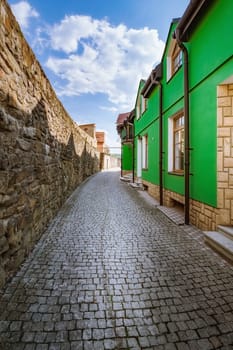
[112, 272]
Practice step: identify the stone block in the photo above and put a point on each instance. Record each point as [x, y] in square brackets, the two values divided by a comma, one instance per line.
[221, 197]
[220, 116]
[224, 101]
[227, 147]
[224, 132]
[2, 276]
[229, 194]
[4, 246]
[220, 161]
[230, 180]
[223, 218]
[228, 162]
[24, 145]
[228, 121]
[222, 90]
[223, 176]
[227, 113]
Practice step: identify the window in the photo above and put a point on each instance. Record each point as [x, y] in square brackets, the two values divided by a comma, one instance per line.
[145, 152]
[174, 59]
[176, 144]
[143, 104]
[138, 109]
[130, 131]
[178, 137]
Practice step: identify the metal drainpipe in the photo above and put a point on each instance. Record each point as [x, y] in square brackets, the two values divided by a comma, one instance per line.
[186, 127]
[133, 155]
[121, 158]
[157, 82]
[133, 163]
[160, 142]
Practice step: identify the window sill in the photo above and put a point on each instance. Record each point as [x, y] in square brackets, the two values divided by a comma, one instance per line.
[173, 74]
[177, 173]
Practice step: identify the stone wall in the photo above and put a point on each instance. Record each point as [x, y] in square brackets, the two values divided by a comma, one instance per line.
[44, 155]
[225, 154]
[202, 215]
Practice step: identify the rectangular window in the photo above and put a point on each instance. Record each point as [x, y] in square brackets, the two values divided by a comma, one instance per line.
[143, 104]
[138, 110]
[178, 144]
[176, 59]
[145, 152]
[130, 132]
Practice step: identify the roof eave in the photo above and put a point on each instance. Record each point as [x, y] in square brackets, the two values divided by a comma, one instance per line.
[152, 81]
[192, 11]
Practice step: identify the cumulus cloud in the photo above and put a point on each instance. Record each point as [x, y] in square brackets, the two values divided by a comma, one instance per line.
[23, 11]
[101, 58]
[109, 109]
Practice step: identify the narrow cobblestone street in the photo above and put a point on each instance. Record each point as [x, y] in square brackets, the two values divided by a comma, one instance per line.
[112, 272]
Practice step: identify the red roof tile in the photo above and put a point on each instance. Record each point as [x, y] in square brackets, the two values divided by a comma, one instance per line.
[122, 117]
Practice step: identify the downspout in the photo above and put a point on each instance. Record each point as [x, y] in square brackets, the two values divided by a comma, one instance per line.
[186, 126]
[133, 155]
[156, 81]
[121, 159]
[160, 143]
[133, 162]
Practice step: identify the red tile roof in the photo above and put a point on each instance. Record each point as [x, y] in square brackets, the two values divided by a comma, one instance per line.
[122, 117]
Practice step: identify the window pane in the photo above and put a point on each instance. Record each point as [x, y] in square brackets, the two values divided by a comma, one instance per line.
[178, 143]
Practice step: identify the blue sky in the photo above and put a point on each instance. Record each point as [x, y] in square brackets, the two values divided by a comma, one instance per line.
[94, 52]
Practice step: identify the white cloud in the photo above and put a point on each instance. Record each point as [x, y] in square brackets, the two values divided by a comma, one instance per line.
[101, 58]
[109, 109]
[23, 11]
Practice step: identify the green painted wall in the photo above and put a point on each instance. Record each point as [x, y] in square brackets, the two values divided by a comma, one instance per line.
[152, 173]
[205, 74]
[210, 63]
[211, 43]
[210, 51]
[127, 157]
[171, 181]
[148, 124]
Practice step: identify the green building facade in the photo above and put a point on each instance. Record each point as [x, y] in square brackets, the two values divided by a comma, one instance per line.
[183, 126]
[125, 131]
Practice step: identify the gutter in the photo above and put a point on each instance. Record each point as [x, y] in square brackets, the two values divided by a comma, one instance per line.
[190, 15]
[177, 36]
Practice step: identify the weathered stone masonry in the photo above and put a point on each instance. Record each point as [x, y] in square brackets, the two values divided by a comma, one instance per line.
[44, 155]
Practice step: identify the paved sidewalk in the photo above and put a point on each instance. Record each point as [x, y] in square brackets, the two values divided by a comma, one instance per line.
[113, 272]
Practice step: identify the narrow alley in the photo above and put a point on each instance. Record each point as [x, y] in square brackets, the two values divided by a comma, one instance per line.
[112, 272]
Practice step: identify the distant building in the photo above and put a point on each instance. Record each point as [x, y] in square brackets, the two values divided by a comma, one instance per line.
[100, 138]
[90, 129]
[106, 161]
[124, 125]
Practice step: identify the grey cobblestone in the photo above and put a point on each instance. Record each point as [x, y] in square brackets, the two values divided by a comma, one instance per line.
[112, 272]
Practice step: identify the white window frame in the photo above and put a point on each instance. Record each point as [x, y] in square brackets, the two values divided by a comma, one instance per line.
[170, 72]
[145, 151]
[143, 104]
[171, 144]
[138, 109]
